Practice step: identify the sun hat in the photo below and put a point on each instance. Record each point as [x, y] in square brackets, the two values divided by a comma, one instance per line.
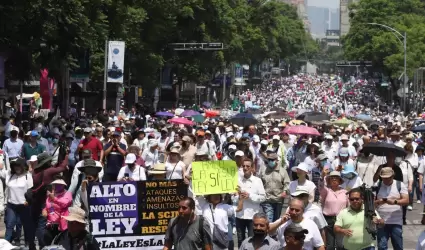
[299, 191]
[130, 158]
[86, 153]
[256, 138]
[337, 174]
[186, 138]
[175, 150]
[42, 159]
[157, 169]
[90, 165]
[302, 166]
[386, 172]
[322, 157]
[5, 245]
[76, 214]
[344, 137]
[59, 182]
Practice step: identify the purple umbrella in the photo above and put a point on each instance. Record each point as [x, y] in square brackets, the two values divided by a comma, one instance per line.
[163, 113]
[189, 113]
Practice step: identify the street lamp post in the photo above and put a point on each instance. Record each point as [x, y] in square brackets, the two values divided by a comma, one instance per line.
[397, 34]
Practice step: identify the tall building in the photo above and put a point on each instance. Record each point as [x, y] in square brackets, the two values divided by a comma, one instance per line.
[344, 25]
[322, 19]
[301, 6]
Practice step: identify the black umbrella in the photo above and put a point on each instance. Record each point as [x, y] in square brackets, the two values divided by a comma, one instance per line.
[255, 111]
[383, 149]
[420, 129]
[277, 109]
[313, 116]
[243, 119]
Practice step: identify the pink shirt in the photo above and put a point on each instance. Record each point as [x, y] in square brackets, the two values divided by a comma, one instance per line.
[57, 208]
[333, 202]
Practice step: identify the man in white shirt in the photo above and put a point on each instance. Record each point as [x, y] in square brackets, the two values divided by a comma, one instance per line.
[251, 190]
[313, 239]
[391, 196]
[13, 145]
[131, 171]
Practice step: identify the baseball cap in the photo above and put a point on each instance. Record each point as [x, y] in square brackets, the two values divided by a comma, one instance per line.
[296, 228]
[275, 130]
[14, 128]
[344, 137]
[276, 137]
[230, 134]
[239, 153]
[386, 172]
[343, 152]
[87, 130]
[256, 138]
[116, 133]
[328, 137]
[264, 142]
[200, 133]
[232, 147]
[299, 191]
[186, 138]
[34, 133]
[130, 158]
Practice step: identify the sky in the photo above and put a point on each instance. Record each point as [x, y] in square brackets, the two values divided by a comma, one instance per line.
[324, 3]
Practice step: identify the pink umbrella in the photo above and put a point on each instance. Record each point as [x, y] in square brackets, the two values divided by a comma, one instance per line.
[301, 130]
[180, 120]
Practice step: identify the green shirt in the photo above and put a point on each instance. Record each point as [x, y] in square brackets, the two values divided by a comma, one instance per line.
[355, 221]
[28, 150]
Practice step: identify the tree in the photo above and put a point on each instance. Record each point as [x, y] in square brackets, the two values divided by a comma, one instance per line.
[379, 45]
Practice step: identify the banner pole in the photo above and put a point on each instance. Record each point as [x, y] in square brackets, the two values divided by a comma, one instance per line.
[105, 76]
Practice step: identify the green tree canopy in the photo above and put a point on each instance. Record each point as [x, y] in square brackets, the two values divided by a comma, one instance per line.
[47, 33]
[380, 45]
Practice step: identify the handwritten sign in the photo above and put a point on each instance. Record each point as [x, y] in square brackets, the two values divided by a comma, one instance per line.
[133, 215]
[214, 177]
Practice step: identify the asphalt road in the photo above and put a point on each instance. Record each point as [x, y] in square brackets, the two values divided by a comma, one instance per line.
[411, 231]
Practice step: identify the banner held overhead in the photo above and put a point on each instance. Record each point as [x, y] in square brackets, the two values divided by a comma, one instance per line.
[116, 51]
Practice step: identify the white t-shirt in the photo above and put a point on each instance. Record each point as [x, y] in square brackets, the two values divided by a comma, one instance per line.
[312, 240]
[17, 186]
[392, 214]
[138, 174]
[177, 174]
[310, 186]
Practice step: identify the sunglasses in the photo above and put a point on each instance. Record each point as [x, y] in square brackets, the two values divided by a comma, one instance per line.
[246, 166]
[354, 199]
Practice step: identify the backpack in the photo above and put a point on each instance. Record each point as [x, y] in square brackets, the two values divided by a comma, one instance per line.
[398, 184]
[200, 228]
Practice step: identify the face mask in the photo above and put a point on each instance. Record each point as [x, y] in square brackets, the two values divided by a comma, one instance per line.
[323, 162]
[259, 233]
[271, 164]
[130, 165]
[398, 160]
[55, 141]
[59, 188]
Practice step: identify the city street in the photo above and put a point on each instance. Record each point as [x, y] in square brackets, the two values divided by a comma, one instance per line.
[411, 231]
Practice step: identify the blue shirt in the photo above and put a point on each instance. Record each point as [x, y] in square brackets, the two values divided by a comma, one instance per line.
[114, 160]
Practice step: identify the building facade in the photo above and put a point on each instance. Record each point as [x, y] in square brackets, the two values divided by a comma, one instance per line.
[344, 26]
[301, 6]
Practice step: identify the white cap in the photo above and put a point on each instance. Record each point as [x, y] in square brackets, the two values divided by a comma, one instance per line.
[264, 142]
[328, 137]
[230, 134]
[228, 129]
[239, 153]
[33, 158]
[276, 137]
[302, 166]
[344, 137]
[233, 146]
[14, 128]
[240, 128]
[256, 138]
[276, 130]
[130, 158]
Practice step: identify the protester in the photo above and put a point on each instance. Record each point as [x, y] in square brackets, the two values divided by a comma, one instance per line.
[188, 231]
[260, 240]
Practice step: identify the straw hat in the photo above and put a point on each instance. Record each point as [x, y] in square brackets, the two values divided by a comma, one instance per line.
[157, 169]
[76, 214]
